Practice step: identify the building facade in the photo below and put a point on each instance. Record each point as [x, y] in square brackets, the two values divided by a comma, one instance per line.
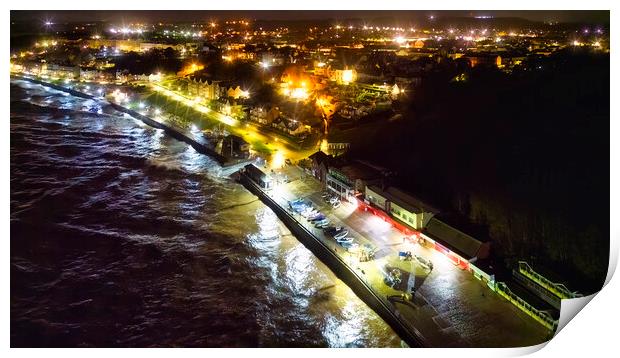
[401, 206]
[205, 90]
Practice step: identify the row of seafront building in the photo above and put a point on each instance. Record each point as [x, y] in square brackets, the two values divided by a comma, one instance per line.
[363, 184]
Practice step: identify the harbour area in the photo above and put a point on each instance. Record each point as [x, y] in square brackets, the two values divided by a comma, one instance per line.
[426, 298]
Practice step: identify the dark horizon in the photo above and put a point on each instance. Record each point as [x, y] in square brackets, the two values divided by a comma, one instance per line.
[572, 16]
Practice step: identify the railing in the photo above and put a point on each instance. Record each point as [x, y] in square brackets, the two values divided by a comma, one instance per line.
[557, 289]
[541, 316]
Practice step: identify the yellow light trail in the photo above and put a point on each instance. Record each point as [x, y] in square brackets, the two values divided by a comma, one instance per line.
[279, 151]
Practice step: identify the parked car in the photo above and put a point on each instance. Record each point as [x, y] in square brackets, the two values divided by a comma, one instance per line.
[332, 230]
[346, 240]
[341, 235]
[308, 212]
[321, 223]
[324, 225]
[317, 217]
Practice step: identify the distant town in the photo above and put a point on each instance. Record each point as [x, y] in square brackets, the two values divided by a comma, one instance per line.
[302, 85]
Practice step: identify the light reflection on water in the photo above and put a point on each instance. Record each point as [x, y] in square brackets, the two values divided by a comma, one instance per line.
[200, 244]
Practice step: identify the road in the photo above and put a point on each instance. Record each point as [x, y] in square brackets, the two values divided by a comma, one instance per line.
[279, 149]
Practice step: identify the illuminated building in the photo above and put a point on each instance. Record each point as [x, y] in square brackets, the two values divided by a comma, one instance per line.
[260, 178]
[350, 180]
[57, 71]
[235, 147]
[290, 126]
[345, 76]
[206, 90]
[400, 205]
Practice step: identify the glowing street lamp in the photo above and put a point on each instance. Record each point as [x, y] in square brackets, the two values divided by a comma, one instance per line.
[400, 40]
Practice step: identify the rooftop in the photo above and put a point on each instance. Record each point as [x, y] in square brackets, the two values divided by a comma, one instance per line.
[456, 240]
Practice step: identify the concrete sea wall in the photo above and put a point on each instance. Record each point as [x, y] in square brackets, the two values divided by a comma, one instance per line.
[404, 329]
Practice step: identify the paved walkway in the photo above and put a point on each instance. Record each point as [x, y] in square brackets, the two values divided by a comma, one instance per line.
[450, 307]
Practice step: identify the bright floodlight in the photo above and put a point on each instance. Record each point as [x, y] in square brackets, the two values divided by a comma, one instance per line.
[141, 105]
[265, 64]
[400, 40]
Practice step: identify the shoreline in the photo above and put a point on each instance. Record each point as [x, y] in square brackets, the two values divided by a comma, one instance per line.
[410, 335]
[203, 148]
[405, 330]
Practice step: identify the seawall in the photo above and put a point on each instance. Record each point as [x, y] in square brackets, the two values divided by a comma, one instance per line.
[404, 329]
[203, 148]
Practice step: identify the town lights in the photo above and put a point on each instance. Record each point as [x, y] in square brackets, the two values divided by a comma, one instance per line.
[299, 93]
[347, 76]
[400, 40]
[264, 65]
[277, 160]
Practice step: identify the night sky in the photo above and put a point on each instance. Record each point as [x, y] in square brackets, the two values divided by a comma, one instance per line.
[191, 15]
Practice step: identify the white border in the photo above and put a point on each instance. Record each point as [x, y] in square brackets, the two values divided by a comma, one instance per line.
[591, 332]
